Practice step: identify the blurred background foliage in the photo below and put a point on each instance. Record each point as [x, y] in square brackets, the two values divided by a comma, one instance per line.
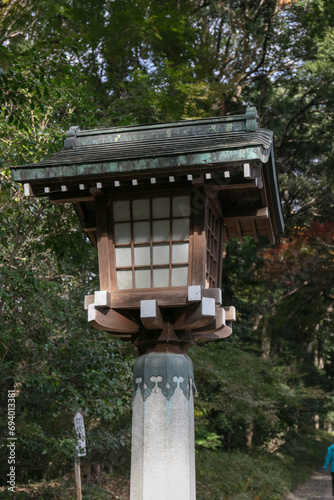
[119, 62]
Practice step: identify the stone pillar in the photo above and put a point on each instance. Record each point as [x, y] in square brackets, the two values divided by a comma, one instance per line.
[163, 445]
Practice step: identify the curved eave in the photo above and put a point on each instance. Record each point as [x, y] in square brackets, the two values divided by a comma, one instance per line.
[274, 188]
[37, 173]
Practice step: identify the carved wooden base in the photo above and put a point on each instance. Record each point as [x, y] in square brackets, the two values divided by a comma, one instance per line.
[152, 328]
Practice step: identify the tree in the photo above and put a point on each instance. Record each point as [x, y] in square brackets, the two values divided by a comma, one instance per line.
[75, 62]
[49, 355]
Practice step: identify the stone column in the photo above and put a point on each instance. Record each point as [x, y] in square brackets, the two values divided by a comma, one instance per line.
[163, 446]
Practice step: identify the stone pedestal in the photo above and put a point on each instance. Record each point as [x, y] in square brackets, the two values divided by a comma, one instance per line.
[163, 447]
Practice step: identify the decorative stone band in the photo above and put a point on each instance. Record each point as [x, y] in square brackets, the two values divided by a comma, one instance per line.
[165, 371]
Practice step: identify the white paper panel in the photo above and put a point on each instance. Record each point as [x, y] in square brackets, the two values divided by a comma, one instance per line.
[161, 277]
[141, 209]
[142, 256]
[180, 253]
[180, 276]
[123, 257]
[181, 229]
[121, 210]
[124, 280]
[160, 208]
[122, 233]
[161, 230]
[181, 206]
[143, 278]
[141, 232]
[160, 254]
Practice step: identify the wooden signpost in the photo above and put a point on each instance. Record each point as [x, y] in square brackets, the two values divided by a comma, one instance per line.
[79, 427]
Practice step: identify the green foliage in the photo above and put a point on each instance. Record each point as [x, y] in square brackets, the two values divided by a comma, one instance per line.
[44, 491]
[261, 475]
[244, 400]
[245, 477]
[49, 355]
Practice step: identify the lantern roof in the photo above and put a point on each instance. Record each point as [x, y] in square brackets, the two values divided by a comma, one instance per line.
[222, 152]
[109, 151]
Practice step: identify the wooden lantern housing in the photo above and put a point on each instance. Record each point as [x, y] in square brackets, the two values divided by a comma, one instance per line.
[158, 201]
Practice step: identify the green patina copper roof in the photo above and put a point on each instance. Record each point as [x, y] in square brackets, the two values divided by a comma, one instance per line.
[143, 148]
[231, 151]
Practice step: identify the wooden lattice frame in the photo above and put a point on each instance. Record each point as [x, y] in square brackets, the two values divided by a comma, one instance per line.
[153, 243]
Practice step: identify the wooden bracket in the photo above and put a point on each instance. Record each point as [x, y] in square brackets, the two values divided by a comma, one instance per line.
[102, 299]
[230, 313]
[246, 213]
[225, 332]
[111, 321]
[252, 171]
[213, 293]
[150, 315]
[89, 299]
[223, 328]
[198, 181]
[192, 317]
[96, 191]
[204, 316]
[217, 323]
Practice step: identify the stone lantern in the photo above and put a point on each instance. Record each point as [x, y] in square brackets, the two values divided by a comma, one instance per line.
[159, 201]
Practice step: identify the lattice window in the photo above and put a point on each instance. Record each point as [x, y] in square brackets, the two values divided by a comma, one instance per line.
[213, 249]
[151, 239]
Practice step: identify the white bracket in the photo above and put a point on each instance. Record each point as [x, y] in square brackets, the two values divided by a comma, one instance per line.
[231, 314]
[214, 293]
[252, 172]
[150, 315]
[28, 190]
[102, 298]
[208, 307]
[194, 293]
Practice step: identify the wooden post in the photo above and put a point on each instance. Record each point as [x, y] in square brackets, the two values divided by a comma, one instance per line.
[79, 427]
[77, 473]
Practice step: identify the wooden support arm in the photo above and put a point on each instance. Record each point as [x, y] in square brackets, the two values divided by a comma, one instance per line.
[150, 315]
[246, 213]
[217, 323]
[195, 316]
[230, 313]
[111, 321]
[89, 299]
[221, 332]
[225, 332]
[213, 293]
